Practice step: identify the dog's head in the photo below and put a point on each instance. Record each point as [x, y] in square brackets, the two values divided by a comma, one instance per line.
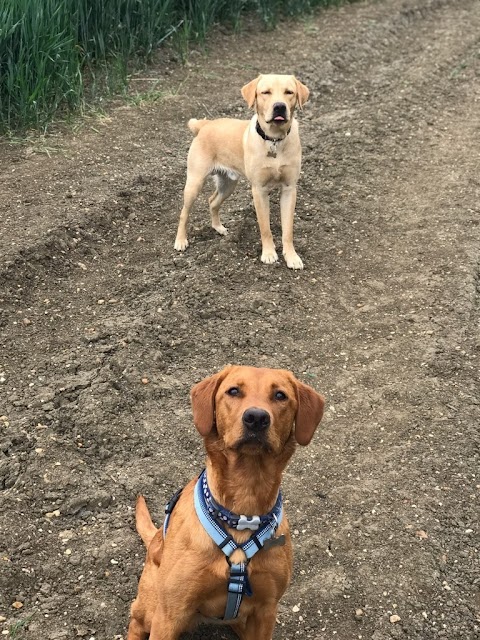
[256, 411]
[275, 98]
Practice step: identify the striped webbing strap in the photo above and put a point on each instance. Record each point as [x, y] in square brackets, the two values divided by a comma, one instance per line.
[238, 583]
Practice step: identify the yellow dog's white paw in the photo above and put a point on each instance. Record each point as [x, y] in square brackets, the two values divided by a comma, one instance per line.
[293, 261]
[219, 228]
[269, 257]
[181, 244]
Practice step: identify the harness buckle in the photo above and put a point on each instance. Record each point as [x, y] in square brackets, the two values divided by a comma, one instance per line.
[244, 522]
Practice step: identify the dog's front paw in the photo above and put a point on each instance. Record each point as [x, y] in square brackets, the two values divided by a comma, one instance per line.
[181, 244]
[293, 261]
[219, 228]
[269, 257]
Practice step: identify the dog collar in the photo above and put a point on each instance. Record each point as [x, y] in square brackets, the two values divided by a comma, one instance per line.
[238, 522]
[238, 582]
[263, 135]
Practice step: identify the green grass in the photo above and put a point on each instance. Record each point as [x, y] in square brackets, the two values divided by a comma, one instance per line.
[58, 55]
[17, 629]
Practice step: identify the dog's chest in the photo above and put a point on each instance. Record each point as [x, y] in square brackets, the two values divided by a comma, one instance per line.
[274, 171]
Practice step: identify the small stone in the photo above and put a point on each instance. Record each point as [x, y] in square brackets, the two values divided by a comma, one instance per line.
[53, 514]
[423, 535]
[17, 604]
[295, 609]
[81, 630]
[2, 618]
[358, 613]
[145, 380]
[394, 619]
[101, 301]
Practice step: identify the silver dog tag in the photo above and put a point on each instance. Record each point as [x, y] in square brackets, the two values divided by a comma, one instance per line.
[248, 523]
[272, 153]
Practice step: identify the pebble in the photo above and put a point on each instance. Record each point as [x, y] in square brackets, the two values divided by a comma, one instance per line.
[394, 619]
[295, 609]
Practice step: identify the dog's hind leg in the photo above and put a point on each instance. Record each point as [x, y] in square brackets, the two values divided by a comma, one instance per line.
[259, 625]
[165, 627]
[136, 631]
[193, 187]
[225, 186]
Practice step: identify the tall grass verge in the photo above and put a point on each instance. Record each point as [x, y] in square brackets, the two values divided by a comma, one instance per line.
[56, 54]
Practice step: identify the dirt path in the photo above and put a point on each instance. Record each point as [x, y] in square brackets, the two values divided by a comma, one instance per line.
[384, 321]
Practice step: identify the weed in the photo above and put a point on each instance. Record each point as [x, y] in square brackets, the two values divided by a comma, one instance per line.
[56, 56]
[16, 630]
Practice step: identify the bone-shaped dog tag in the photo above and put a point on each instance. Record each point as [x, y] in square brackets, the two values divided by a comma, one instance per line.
[252, 523]
[274, 542]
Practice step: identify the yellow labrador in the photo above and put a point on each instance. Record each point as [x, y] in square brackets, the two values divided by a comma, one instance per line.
[265, 149]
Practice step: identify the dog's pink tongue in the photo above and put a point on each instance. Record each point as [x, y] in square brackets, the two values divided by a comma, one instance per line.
[279, 118]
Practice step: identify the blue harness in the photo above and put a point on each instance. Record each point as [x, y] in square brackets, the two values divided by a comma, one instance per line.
[212, 517]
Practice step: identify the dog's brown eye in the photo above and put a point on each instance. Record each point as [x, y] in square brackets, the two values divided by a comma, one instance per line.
[233, 391]
[279, 395]
[266, 93]
[289, 93]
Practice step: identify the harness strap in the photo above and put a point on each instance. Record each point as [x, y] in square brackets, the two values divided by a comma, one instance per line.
[169, 508]
[238, 583]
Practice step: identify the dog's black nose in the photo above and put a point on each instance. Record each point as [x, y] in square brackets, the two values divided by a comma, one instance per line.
[279, 108]
[256, 419]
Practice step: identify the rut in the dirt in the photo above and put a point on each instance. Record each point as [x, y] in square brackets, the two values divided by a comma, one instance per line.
[104, 329]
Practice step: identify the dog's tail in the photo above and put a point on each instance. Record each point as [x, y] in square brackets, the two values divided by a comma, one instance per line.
[195, 125]
[143, 521]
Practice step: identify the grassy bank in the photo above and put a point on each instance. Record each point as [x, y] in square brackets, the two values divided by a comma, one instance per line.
[57, 54]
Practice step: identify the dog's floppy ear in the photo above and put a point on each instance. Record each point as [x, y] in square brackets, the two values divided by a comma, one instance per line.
[202, 397]
[302, 93]
[249, 92]
[309, 412]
